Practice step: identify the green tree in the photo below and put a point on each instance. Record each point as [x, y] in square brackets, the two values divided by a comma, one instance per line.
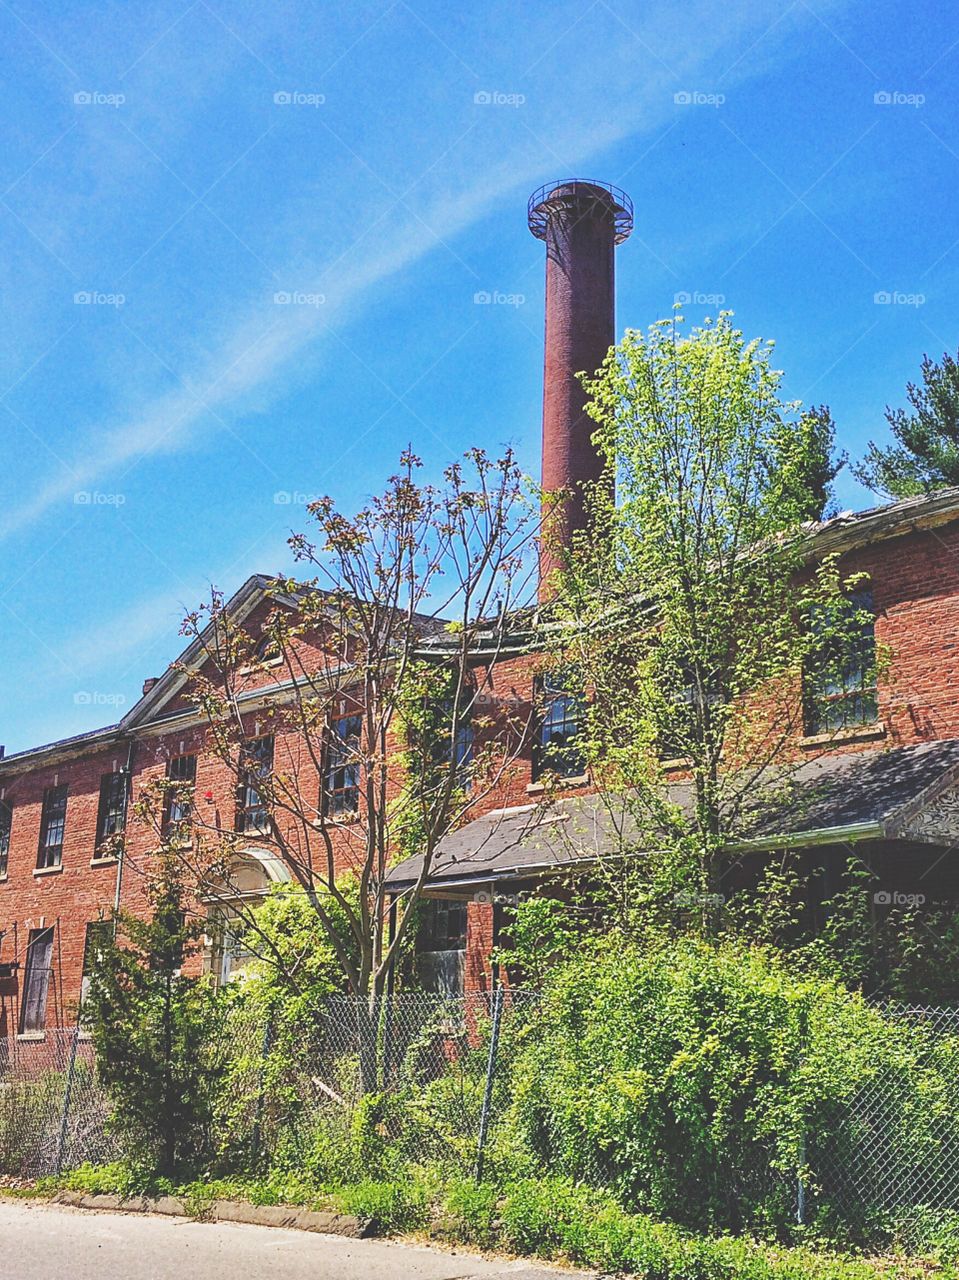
[294, 969]
[687, 606]
[157, 1033]
[925, 455]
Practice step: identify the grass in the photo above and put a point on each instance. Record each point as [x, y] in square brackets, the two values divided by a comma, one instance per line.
[552, 1219]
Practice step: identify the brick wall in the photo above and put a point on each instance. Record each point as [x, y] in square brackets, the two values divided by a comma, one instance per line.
[915, 584]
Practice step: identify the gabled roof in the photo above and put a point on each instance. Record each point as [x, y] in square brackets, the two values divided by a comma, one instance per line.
[241, 603]
[253, 592]
[899, 793]
[149, 709]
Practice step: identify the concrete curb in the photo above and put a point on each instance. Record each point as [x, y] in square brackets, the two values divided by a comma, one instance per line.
[262, 1215]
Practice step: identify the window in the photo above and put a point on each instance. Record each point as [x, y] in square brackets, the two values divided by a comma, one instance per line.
[179, 804]
[463, 749]
[341, 780]
[444, 926]
[839, 687]
[252, 811]
[36, 981]
[441, 950]
[6, 821]
[450, 749]
[53, 822]
[99, 933]
[230, 954]
[555, 749]
[112, 813]
[267, 650]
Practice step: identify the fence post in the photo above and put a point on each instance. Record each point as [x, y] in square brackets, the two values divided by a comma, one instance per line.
[264, 1052]
[67, 1091]
[800, 1183]
[490, 1073]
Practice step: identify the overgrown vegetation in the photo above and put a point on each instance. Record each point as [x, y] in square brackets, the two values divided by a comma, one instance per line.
[553, 1219]
[697, 1062]
[158, 1034]
[702, 1082]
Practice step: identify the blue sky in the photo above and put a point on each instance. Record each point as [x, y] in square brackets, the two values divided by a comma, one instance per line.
[183, 163]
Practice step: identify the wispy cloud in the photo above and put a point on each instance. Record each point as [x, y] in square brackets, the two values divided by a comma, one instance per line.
[249, 357]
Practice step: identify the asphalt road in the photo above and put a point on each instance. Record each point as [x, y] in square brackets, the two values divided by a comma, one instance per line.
[52, 1242]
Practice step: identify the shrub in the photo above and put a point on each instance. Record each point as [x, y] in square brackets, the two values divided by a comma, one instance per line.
[688, 1077]
[156, 1033]
[387, 1206]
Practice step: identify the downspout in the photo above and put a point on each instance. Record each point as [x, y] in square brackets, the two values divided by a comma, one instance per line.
[391, 971]
[128, 791]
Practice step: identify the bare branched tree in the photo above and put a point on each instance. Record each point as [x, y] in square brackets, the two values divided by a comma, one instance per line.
[355, 720]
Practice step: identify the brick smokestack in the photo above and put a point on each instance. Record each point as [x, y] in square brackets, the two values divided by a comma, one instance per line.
[581, 222]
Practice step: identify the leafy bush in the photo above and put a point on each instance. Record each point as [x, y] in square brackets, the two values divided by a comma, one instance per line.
[687, 1078]
[387, 1206]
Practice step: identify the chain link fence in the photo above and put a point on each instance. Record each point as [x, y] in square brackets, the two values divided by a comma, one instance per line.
[53, 1113]
[423, 1080]
[890, 1153]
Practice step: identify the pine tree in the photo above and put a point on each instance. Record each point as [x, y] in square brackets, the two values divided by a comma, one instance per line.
[925, 456]
[157, 1033]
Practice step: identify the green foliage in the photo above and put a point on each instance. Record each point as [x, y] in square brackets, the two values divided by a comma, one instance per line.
[433, 710]
[118, 1178]
[819, 461]
[539, 932]
[925, 455]
[156, 1033]
[558, 1218]
[904, 954]
[387, 1206]
[296, 967]
[468, 1212]
[687, 602]
[690, 1077]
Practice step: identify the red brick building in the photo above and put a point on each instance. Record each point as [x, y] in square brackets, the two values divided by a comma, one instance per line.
[886, 784]
[879, 778]
[882, 779]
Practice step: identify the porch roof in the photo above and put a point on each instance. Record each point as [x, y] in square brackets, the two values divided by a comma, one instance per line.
[907, 793]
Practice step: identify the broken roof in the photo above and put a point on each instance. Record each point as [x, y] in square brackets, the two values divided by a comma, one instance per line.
[849, 796]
